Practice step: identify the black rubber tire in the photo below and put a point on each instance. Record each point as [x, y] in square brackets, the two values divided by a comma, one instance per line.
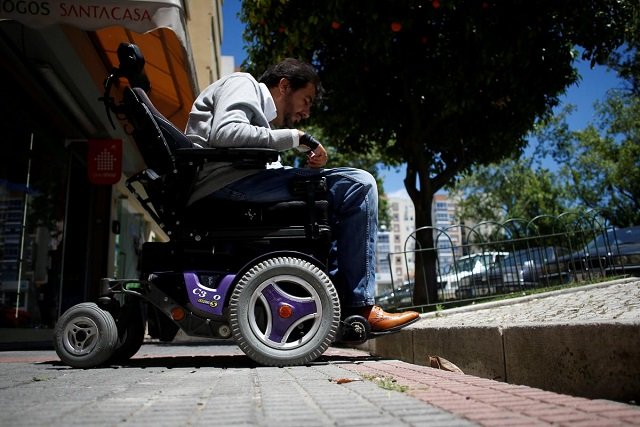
[85, 336]
[131, 333]
[251, 314]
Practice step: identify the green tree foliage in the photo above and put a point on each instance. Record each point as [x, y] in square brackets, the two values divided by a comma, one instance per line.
[601, 163]
[513, 189]
[440, 84]
[598, 169]
[626, 61]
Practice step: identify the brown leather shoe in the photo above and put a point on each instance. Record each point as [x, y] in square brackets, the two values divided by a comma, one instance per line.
[382, 321]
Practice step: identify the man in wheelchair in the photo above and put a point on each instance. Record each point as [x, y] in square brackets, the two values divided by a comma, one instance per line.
[281, 259]
[238, 111]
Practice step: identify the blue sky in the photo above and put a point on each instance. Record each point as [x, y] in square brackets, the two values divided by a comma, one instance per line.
[592, 87]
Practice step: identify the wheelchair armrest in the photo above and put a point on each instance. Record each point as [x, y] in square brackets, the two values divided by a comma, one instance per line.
[242, 157]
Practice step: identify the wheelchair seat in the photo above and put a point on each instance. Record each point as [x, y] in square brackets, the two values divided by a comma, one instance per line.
[207, 211]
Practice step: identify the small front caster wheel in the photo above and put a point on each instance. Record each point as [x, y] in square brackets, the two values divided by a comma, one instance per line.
[85, 336]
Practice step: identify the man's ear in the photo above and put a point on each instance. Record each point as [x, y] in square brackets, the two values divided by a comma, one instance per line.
[284, 85]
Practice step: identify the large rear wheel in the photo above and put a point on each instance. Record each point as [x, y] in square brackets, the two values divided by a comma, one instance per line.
[284, 311]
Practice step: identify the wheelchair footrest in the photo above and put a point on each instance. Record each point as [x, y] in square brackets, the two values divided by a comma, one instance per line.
[356, 330]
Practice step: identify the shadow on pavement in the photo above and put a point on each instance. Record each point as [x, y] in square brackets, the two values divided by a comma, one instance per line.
[212, 361]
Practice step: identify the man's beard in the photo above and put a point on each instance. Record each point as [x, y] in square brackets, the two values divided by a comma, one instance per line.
[289, 118]
[289, 122]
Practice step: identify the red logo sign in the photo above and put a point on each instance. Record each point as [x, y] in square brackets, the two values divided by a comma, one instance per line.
[104, 161]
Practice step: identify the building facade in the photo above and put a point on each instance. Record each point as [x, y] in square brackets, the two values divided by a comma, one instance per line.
[395, 257]
[448, 236]
[61, 231]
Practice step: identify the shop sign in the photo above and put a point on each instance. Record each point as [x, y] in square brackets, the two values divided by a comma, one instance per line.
[104, 161]
[140, 16]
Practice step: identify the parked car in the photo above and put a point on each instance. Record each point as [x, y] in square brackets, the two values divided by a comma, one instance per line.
[522, 269]
[459, 273]
[398, 297]
[614, 252]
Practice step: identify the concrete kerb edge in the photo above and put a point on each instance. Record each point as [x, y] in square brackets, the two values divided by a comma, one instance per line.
[595, 359]
[592, 359]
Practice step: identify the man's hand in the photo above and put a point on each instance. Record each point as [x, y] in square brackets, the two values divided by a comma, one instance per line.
[317, 155]
[317, 158]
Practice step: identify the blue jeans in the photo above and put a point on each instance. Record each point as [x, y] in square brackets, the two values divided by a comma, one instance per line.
[353, 201]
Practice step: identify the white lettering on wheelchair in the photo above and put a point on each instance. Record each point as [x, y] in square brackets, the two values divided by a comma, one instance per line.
[199, 292]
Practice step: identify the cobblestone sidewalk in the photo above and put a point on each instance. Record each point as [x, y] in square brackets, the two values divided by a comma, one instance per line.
[619, 301]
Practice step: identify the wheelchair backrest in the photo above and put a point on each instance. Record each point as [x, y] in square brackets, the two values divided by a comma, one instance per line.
[166, 182]
[164, 186]
[149, 138]
[157, 138]
[174, 137]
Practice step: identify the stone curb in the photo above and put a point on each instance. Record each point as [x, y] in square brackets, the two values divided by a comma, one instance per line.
[592, 359]
[589, 359]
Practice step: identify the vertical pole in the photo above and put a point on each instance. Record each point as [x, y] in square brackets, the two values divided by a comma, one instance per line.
[24, 226]
[65, 223]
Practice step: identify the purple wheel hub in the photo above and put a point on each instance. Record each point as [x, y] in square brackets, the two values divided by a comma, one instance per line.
[291, 310]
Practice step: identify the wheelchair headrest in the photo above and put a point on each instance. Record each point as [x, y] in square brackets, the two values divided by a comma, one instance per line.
[132, 64]
[131, 58]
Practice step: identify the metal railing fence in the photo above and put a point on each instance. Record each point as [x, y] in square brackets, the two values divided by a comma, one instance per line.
[492, 259]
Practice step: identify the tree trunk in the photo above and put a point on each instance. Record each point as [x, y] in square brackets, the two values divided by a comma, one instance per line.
[426, 276]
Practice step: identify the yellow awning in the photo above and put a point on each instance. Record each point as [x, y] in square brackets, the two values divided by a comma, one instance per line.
[169, 71]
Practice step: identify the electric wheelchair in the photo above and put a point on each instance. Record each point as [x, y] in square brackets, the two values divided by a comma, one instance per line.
[254, 273]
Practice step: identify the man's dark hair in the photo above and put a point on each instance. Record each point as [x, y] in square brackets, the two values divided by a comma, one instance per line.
[298, 73]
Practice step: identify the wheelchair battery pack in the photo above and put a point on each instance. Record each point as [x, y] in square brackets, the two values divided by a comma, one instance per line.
[203, 292]
[207, 291]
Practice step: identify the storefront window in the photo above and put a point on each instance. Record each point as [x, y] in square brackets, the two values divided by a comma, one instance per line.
[32, 207]
[130, 235]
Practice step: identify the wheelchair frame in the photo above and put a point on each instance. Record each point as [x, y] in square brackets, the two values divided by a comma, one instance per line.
[260, 280]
